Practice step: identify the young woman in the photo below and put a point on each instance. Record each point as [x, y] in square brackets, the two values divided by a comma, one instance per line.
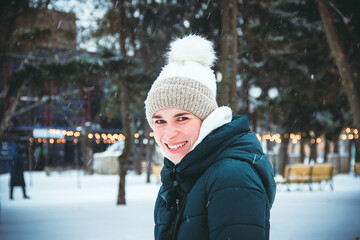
[216, 181]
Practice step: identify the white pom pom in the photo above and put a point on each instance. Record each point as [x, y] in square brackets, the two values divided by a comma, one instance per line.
[192, 48]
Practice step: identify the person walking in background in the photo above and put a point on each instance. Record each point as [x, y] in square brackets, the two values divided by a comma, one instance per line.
[17, 171]
[216, 181]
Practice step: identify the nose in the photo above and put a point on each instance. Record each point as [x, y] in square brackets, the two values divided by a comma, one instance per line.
[171, 132]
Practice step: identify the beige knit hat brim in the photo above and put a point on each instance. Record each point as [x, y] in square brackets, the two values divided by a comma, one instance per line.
[180, 92]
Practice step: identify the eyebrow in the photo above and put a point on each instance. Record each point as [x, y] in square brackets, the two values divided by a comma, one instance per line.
[175, 116]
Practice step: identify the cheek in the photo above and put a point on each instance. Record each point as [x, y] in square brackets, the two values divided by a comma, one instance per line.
[157, 136]
[195, 131]
[193, 135]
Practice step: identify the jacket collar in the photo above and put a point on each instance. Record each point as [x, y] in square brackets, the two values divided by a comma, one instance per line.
[216, 119]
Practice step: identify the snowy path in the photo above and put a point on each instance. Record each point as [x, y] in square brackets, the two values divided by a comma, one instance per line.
[59, 210]
[318, 215]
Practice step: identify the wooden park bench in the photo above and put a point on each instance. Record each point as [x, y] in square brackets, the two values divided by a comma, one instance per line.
[323, 173]
[308, 174]
[156, 169]
[357, 169]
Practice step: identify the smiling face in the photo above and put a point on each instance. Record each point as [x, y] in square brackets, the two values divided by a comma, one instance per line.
[176, 131]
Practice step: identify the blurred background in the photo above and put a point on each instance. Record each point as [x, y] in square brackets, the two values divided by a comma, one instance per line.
[74, 75]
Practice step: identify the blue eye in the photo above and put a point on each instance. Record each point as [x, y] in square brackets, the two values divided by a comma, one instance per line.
[182, 118]
[159, 121]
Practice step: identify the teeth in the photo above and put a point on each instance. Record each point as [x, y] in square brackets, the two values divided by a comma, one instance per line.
[174, 147]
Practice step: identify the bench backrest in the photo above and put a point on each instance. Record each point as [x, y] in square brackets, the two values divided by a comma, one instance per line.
[297, 173]
[357, 168]
[304, 173]
[322, 172]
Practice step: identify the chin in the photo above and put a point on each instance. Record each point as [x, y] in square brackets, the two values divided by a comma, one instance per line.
[175, 161]
[174, 157]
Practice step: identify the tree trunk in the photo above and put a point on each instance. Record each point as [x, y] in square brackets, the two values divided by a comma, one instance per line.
[253, 121]
[326, 150]
[244, 95]
[86, 150]
[233, 90]
[125, 114]
[357, 150]
[313, 152]
[148, 153]
[243, 44]
[284, 157]
[137, 159]
[337, 156]
[351, 142]
[123, 159]
[347, 80]
[224, 56]
[302, 150]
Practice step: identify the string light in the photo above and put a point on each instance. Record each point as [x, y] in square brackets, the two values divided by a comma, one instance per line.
[348, 134]
[103, 135]
[121, 137]
[342, 136]
[108, 138]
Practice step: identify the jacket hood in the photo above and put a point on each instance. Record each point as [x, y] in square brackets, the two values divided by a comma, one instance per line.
[244, 146]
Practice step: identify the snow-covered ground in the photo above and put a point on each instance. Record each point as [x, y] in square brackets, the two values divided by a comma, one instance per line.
[70, 205]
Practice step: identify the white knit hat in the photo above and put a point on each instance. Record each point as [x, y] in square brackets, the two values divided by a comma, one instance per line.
[187, 81]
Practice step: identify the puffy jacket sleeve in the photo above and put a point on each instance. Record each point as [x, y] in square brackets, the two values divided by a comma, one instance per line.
[237, 202]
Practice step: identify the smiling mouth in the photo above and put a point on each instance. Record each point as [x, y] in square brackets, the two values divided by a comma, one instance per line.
[177, 146]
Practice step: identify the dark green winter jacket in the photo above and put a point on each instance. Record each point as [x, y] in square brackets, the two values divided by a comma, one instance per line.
[230, 184]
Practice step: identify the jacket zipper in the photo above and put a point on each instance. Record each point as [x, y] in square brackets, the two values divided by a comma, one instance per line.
[177, 200]
[177, 204]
